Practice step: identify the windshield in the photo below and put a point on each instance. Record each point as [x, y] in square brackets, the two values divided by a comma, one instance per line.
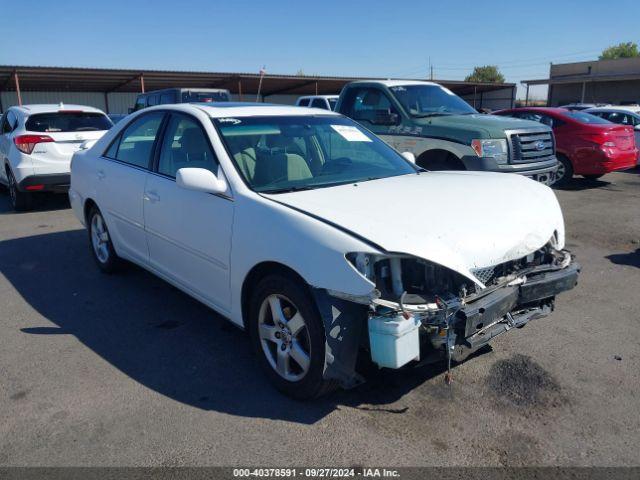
[584, 117]
[69, 121]
[430, 100]
[288, 153]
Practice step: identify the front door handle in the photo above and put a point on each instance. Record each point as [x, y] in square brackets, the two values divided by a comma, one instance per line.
[151, 196]
[101, 174]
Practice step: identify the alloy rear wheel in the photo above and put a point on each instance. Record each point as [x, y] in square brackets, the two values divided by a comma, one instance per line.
[20, 201]
[100, 242]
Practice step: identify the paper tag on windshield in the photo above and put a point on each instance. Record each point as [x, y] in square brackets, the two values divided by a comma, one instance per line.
[351, 134]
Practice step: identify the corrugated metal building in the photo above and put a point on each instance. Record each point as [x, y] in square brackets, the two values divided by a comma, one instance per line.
[600, 81]
[115, 91]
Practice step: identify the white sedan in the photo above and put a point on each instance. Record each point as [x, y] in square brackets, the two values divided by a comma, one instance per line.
[323, 242]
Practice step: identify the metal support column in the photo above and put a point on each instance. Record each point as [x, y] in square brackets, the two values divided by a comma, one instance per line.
[142, 83]
[240, 90]
[17, 82]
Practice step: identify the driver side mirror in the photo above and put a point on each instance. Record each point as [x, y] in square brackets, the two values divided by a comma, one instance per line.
[386, 118]
[200, 180]
[409, 156]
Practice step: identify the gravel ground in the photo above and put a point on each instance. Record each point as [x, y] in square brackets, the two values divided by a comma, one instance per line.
[126, 370]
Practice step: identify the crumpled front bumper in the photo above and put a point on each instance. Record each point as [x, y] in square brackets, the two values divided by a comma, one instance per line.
[479, 321]
[472, 324]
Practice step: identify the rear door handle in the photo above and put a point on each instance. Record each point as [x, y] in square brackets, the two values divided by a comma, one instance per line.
[101, 174]
[152, 197]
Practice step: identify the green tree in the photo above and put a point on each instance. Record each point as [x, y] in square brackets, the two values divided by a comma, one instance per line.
[622, 50]
[487, 73]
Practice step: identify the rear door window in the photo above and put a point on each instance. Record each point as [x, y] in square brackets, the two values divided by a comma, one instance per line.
[9, 122]
[167, 98]
[152, 100]
[204, 97]
[303, 102]
[135, 145]
[69, 121]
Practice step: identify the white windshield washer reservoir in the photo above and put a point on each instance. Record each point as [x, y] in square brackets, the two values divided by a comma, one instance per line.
[394, 341]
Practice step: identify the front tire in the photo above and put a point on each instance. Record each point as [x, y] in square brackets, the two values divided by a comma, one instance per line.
[288, 337]
[565, 171]
[20, 201]
[100, 242]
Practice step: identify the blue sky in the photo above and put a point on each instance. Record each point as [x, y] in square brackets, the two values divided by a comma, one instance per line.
[368, 38]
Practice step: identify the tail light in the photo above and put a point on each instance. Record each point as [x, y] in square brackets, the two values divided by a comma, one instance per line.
[600, 139]
[26, 143]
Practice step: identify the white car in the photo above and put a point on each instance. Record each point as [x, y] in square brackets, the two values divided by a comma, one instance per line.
[623, 115]
[325, 102]
[314, 235]
[37, 143]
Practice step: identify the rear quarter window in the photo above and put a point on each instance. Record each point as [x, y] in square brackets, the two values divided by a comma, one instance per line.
[68, 122]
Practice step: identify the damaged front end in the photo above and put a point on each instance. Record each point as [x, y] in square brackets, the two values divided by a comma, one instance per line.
[422, 311]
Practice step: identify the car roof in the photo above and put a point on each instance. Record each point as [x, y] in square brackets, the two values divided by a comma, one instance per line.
[557, 110]
[616, 108]
[396, 83]
[183, 89]
[54, 107]
[247, 109]
[319, 96]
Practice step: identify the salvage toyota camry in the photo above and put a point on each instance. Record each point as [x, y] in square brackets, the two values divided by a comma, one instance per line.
[318, 238]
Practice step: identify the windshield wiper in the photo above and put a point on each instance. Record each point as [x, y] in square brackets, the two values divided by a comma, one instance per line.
[288, 189]
[432, 114]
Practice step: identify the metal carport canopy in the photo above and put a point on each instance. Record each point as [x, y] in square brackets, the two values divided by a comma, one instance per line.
[121, 80]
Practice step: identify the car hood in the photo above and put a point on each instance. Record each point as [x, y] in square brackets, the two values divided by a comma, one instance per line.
[487, 126]
[461, 220]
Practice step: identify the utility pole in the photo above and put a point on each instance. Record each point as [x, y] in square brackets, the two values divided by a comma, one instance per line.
[430, 70]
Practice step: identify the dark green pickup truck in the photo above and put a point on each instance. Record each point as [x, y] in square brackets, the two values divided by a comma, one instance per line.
[445, 133]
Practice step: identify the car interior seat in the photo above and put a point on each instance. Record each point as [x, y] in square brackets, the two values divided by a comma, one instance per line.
[275, 163]
[193, 152]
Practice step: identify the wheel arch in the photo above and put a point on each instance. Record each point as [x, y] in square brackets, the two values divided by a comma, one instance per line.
[439, 156]
[257, 273]
[89, 203]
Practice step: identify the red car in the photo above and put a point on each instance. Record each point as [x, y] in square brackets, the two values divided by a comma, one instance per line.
[585, 144]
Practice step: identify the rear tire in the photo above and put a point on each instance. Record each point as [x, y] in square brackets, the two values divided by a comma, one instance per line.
[288, 337]
[20, 201]
[593, 177]
[100, 243]
[565, 171]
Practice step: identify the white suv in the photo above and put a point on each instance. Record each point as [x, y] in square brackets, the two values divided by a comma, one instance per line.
[37, 143]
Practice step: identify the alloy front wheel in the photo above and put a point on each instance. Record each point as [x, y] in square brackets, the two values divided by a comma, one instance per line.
[284, 337]
[288, 336]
